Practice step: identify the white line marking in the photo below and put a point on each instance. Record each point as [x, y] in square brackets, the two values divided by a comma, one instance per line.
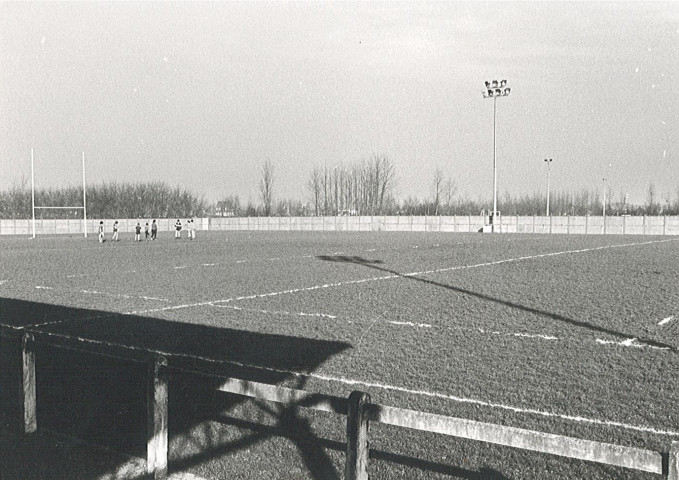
[666, 320]
[630, 342]
[382, 386]
[42, 287]
[523, 335]
[210, 264]
[393, 276]
[179, 268]
[411, 324]
[276, 312]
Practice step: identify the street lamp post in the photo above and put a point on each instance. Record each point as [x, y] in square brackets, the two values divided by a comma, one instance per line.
[549, 162]
[495, 89]
[604, 196]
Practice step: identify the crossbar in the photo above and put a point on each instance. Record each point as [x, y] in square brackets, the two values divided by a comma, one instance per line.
[62, 208]
[621, 456]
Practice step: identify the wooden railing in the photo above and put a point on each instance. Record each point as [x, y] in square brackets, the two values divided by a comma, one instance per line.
[358, 408]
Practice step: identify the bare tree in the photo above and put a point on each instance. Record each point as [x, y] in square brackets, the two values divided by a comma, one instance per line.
[315, 186]
[438, 188]
[651, 203]
[266, 187]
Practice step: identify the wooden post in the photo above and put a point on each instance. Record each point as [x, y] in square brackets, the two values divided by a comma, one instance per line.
[157, 445]
[28, 396]
[673, 464]
[356, 467]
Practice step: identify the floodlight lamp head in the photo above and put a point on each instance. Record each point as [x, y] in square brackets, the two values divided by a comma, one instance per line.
[489, 93]
[498, 92]
[503, 83]
[495, 85]
[507, 91]
[487, 84]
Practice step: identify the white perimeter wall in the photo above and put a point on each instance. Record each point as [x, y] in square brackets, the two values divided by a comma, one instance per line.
[467, 223]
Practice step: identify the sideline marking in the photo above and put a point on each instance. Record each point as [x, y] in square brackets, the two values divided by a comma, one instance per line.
[666, 320]
[347, 381]
[276, 312]
[393, 276]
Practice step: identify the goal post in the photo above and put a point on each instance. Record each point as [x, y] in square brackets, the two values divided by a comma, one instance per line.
[35, 207]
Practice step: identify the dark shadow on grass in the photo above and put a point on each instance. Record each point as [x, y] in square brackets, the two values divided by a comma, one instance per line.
[102, 399]
[374, 264]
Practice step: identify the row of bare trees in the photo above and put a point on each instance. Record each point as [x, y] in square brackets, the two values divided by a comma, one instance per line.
[363, 188]
[107, 200]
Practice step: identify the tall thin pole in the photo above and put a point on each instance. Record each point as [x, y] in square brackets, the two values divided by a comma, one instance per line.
[548, 188]
[493, 90]
[32, 194]
[549, 161]
[84, 199]
[604, 202]
[494, 167]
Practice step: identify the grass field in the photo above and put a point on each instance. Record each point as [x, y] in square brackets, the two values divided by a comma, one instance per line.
[573, 335]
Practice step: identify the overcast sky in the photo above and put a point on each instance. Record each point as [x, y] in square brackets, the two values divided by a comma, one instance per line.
[201, 94]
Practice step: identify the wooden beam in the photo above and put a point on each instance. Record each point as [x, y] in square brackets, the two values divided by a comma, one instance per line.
[629, 457]
[157, 445]
[273, 393]
[673, 463]
[29, 391]
[356, 467]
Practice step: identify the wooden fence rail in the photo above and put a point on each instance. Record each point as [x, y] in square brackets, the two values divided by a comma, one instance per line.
[359, 411]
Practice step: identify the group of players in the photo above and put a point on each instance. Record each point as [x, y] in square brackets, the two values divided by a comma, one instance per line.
[150, 233]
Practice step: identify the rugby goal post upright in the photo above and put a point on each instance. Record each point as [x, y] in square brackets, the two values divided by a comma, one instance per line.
[33, 206]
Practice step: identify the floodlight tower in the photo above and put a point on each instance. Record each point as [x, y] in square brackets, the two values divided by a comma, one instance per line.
[495, 89]
[549, 162]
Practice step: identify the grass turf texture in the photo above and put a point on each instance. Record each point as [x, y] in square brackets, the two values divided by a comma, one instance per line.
[522, 330]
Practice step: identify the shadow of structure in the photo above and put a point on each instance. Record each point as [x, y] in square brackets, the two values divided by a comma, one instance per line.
[92, 390]
[95, 386]
[374, 264]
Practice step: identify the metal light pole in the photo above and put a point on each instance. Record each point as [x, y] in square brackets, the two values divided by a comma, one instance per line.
[549, 162]
[604, 202]
[495, 89]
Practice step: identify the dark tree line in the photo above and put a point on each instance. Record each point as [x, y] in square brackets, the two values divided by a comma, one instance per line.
[107, 200]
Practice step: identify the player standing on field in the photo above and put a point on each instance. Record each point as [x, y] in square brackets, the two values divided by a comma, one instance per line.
[177, 229]
[154, 229]
[146, 231]
[101, 231]
[137, 233]
[115, 231]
